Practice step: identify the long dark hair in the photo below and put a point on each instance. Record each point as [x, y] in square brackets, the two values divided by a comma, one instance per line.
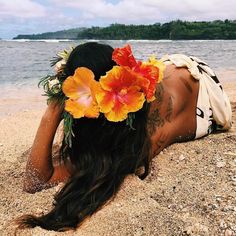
[103, 153]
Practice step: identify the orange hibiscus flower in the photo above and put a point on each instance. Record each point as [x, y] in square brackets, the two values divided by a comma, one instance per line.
[120, 93]
[81, 89]
[151, 73]
[124, 57]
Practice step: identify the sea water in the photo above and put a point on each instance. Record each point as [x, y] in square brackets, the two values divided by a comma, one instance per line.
[24, 62]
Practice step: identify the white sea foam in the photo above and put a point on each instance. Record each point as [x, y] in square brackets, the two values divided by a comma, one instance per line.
[39, 40]
[149, 41]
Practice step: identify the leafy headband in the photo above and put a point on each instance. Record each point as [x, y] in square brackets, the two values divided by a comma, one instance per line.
[118, 94]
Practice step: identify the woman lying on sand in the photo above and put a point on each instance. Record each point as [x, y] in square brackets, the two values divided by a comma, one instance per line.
[118, 114]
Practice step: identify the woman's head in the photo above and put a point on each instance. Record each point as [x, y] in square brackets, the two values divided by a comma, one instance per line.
[95, 56]
[94, 137]
[102, 152]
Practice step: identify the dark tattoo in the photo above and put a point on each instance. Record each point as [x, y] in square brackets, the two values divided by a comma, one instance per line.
[159, 120]
[169, 110]
[159, 93]
[154, 121]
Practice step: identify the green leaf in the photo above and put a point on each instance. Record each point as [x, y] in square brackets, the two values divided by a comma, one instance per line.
[68, 131]
[130, 120]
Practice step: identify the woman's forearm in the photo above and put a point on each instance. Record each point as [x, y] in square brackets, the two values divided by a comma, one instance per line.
[39, 168]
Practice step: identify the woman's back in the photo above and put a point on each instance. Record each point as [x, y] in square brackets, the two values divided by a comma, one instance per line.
[172, 116]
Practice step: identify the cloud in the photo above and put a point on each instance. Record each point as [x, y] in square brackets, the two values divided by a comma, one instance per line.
[37, 16]
[149, 11]
[21, 9]
[126, 11]
[27, 17]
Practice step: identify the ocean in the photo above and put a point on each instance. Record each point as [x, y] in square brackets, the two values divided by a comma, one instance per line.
[24, 62]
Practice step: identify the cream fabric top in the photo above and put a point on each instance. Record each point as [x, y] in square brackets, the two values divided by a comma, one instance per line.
[213, 104]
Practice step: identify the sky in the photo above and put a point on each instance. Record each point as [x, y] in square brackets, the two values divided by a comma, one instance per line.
[38, 16]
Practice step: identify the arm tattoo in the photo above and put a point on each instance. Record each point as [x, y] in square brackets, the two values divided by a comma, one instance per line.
[169, 110]
[154, 121]
[159, 94]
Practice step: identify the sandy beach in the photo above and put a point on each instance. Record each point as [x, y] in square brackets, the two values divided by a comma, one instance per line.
[191, 189]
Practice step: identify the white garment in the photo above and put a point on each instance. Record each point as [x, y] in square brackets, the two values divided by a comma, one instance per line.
[213, 106]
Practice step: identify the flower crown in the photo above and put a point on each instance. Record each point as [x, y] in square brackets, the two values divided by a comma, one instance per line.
[117, 95]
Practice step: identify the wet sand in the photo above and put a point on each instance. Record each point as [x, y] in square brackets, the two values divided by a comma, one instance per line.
[191, 189]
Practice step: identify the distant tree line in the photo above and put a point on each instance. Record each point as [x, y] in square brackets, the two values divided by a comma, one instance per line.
[174, 30]
[62, 34]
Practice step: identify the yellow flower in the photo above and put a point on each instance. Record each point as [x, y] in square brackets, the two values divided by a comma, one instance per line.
[81, 89]
[158, 63]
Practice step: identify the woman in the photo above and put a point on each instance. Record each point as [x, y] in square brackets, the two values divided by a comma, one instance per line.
[133, 114]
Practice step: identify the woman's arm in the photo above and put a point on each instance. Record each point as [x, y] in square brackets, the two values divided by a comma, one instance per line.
[40, 172]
